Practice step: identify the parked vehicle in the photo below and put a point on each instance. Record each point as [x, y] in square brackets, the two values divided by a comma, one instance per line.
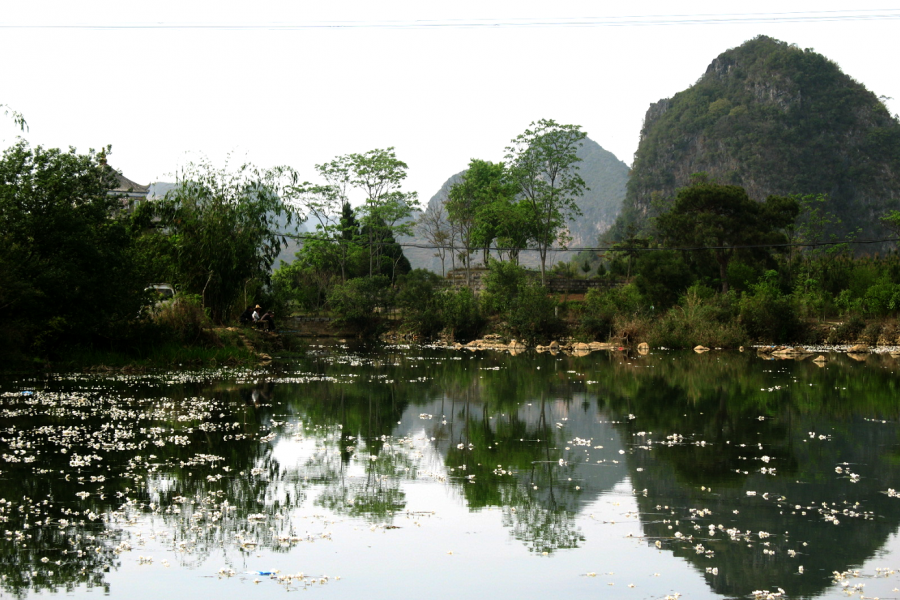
[160, 294]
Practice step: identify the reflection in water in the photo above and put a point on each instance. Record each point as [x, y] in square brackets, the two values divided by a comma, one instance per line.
[747, 470]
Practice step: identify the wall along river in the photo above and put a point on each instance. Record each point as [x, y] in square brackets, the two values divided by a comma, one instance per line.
[401, 471]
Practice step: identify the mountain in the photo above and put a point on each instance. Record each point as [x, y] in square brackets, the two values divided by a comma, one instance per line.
[604, 174]
[775, 119]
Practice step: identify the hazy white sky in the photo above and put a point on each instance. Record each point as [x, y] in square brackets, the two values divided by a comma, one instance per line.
[167, 81]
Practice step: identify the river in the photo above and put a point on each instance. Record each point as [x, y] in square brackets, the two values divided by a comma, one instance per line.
[396, 471]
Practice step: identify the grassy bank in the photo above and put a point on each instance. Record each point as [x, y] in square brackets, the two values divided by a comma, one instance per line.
[179, 335]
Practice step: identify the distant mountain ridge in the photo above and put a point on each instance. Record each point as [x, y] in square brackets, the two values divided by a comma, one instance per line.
[606, 177]
[777, 120]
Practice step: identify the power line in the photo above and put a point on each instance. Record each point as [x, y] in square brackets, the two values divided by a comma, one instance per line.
[500, 23]
[616, 248]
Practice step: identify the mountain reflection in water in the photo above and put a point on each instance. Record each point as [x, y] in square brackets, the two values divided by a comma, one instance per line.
[753, 474]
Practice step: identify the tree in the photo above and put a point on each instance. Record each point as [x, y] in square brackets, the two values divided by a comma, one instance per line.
[544, 167]
[222, 229]
[708, 216]
[514, 227]
[892, 221]
[389, 258]
[16, 116]
[630, 247]
[356, 302]
[67, 269]
[433, 226]
[471, 206]
[379, 174]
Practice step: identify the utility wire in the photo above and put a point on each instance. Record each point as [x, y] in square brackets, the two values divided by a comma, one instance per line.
[501, 23]
[604, 248]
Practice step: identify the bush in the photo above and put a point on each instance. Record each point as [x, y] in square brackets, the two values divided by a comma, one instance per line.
[460, 314]
[767, 315]
[704, 318]
[871, 333]
[848, 331]
[601, 308]
[417, 298]
[882, 298]
[532, 316]
[356, 304]
[182, 319]
[301, 286]
[661, 278]
[502, 284]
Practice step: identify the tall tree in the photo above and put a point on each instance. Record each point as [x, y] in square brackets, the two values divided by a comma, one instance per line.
[433, 226]
[379, 174]
[67, 269]
[720, 219]
[223, 232]
[468, 206]
[544, 166]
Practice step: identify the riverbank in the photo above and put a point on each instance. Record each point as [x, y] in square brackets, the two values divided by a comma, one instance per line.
[212, 347]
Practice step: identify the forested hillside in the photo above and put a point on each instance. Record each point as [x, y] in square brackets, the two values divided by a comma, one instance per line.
[774, 119]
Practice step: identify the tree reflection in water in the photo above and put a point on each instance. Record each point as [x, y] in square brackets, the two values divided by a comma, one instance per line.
[203, 462]
[761, 458]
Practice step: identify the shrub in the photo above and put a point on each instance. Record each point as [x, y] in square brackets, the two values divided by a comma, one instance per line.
[848, 331]
[502, 284]
[356, 304]
[704, 318]
[882, 298]
[661, 277]
[768, 315]
[533, 315]
[601, 307]
[871, 332]
[182, 319]
[417, 298]
[460, 314]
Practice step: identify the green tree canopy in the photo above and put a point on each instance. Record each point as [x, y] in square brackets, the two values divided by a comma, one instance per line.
[708, 216]
[478, 204]
[67, 273]
[222, 229]
[544, 166]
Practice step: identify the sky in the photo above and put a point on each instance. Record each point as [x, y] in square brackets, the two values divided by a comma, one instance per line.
[298, 83]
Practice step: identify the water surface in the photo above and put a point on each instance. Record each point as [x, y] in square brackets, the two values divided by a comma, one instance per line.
[399, 470]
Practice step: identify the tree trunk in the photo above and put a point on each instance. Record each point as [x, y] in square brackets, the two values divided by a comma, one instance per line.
[722, 259]
[543, 252]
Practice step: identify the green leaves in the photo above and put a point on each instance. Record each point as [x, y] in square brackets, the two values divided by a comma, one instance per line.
[544, 167]
[224, 229]
[16, 116]
[379, 175]
[65, 252]
[477, 205]
[723, 218]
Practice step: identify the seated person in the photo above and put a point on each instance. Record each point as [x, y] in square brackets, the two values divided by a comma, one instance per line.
[268, 321]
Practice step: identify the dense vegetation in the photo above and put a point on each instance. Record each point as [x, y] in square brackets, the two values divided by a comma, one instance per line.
[695, 283]
[776, 120]
[605, 177]
[76, 258]
[715, 265]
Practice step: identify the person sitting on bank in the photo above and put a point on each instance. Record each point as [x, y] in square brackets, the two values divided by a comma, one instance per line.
[246, 316]
[257, 314]
[268, 321]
